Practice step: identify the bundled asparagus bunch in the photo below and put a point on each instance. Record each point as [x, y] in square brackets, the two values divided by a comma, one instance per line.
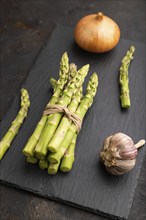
[56, 133]
[67, 146]
[58, 87]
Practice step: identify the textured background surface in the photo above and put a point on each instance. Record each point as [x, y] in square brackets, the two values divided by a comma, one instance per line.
[25, 27]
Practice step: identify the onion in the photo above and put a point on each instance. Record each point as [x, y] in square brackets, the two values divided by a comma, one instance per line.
[97, 33]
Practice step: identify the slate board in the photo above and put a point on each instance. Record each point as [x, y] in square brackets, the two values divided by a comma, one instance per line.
[88, 186]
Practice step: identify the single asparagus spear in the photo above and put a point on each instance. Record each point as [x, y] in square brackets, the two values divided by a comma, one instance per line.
[124, 79]
[81, 111]
[68, 158]
[32, 160]
[16, 124]
[53, 83]
[58, 87]
[53, 168]
[63, 127]
[54, 119]
[43, 164]
[73, 71]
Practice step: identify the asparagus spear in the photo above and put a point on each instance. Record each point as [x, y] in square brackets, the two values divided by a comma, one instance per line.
[68, 158]
[58, 87]
[16, 124]
[63, 127]
[53, 83]
[43, 164]
[32, 160]
[54, 119]
[81, 111]
[124, 80]
[53, 168]
[73, 71]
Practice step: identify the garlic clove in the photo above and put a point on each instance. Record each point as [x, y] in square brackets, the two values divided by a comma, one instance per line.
[122, 167]
[126, 164]
[106, 142]
[129, 153]
[119, 139]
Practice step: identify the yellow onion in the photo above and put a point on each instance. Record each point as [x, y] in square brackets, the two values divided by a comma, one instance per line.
[97, 33]
[119, 153]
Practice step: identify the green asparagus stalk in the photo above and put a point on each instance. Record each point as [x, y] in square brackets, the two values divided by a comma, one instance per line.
[73, 71]
[53, 168]
[53, 83]
[54, 119]
[43, 164]
[63, 127]
[81, 111]
[124, 79]
[16, 124]
[32, 160]
[68, 158]
[58, 87]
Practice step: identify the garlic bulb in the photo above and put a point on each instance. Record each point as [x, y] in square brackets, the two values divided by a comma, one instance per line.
[119, 153]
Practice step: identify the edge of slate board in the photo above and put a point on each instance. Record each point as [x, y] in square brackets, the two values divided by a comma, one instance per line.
[50, 196]
[62, 201]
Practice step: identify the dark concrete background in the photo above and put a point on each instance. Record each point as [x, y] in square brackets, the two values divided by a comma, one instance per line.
[25, 27]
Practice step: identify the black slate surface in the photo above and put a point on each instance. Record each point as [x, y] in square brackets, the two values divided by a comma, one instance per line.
[88, 186]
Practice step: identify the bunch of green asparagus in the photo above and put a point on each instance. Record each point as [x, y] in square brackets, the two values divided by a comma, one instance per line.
[52, 144]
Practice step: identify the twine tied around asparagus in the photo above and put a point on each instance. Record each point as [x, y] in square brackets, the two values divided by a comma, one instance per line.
[51, 109]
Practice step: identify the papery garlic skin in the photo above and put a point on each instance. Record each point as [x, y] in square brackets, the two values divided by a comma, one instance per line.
[121, 167]
[118, 154]
[124, 146]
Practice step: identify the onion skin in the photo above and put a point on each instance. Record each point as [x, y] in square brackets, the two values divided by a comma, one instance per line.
[97, 33]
